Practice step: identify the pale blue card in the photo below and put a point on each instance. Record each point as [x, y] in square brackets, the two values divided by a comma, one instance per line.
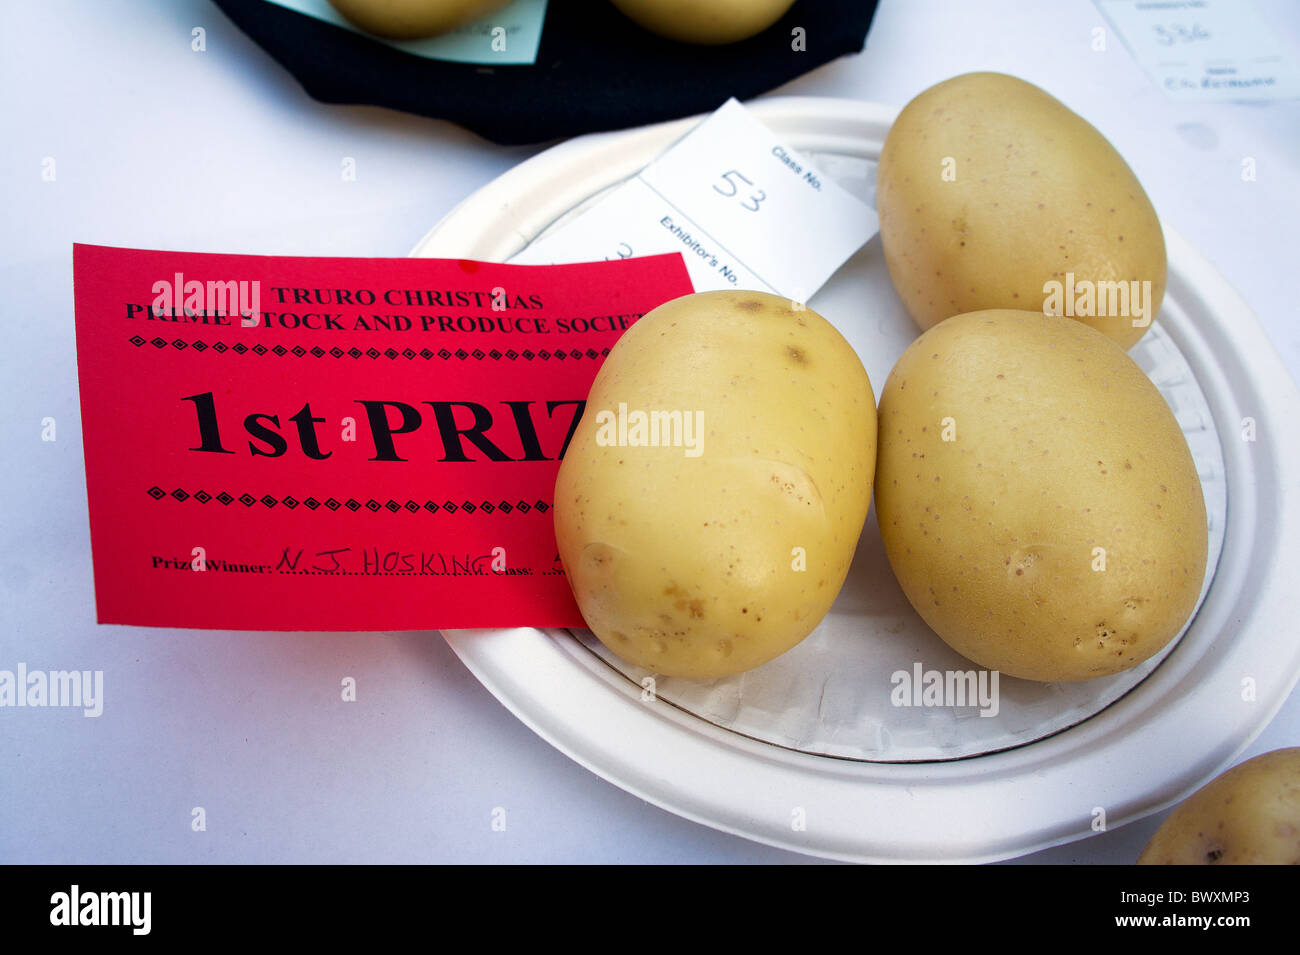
[509, 36]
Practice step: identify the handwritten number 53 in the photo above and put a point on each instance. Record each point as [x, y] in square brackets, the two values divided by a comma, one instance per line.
[730, 178]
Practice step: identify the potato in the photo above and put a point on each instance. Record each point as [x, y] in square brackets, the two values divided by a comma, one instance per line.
[705, 557]
[1036, 497]
[710, 23]
[1249, 815]
[413, 19]
[989, 190]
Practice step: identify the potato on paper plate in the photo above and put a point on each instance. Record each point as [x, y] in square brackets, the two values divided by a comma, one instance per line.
[710, 502]
[993, 194]
[1037, 498]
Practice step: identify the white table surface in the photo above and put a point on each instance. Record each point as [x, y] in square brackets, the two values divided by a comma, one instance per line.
[158, 146]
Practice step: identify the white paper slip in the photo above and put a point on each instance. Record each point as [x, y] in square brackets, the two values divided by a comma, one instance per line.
[1206, 50]
[744, 209]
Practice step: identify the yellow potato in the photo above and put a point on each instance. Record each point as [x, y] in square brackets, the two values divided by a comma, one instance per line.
[712, 554]
[1249, 815]
[711, 22]
[413, 19]
[989, 191]
[1037, 499]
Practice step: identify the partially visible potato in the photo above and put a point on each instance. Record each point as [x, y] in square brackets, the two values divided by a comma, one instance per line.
[703, 561]
[988, 189]
[707, 22]
[413, 19]
[1249, 815]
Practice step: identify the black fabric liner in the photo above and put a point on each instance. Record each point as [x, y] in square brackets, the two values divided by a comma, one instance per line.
[595, 69]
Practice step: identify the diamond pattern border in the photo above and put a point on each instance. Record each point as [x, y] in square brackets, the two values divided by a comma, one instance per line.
[390, 507]
[298, 351]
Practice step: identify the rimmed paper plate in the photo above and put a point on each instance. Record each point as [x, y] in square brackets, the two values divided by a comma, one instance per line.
[813, 752]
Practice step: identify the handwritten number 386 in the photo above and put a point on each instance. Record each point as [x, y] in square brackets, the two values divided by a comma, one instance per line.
[733, 189]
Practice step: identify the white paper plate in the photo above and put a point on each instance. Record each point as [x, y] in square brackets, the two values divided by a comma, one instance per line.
[806, 752]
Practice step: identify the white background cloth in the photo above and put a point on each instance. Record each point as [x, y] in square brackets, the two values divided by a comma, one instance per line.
[158, 146]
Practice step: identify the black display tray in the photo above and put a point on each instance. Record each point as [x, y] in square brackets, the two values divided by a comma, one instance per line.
[595, 69]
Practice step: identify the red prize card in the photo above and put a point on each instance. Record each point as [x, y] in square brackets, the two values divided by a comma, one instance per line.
[278, 443]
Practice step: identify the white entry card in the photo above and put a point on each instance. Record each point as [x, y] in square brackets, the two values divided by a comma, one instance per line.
[1208, 50]
[744, 209]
